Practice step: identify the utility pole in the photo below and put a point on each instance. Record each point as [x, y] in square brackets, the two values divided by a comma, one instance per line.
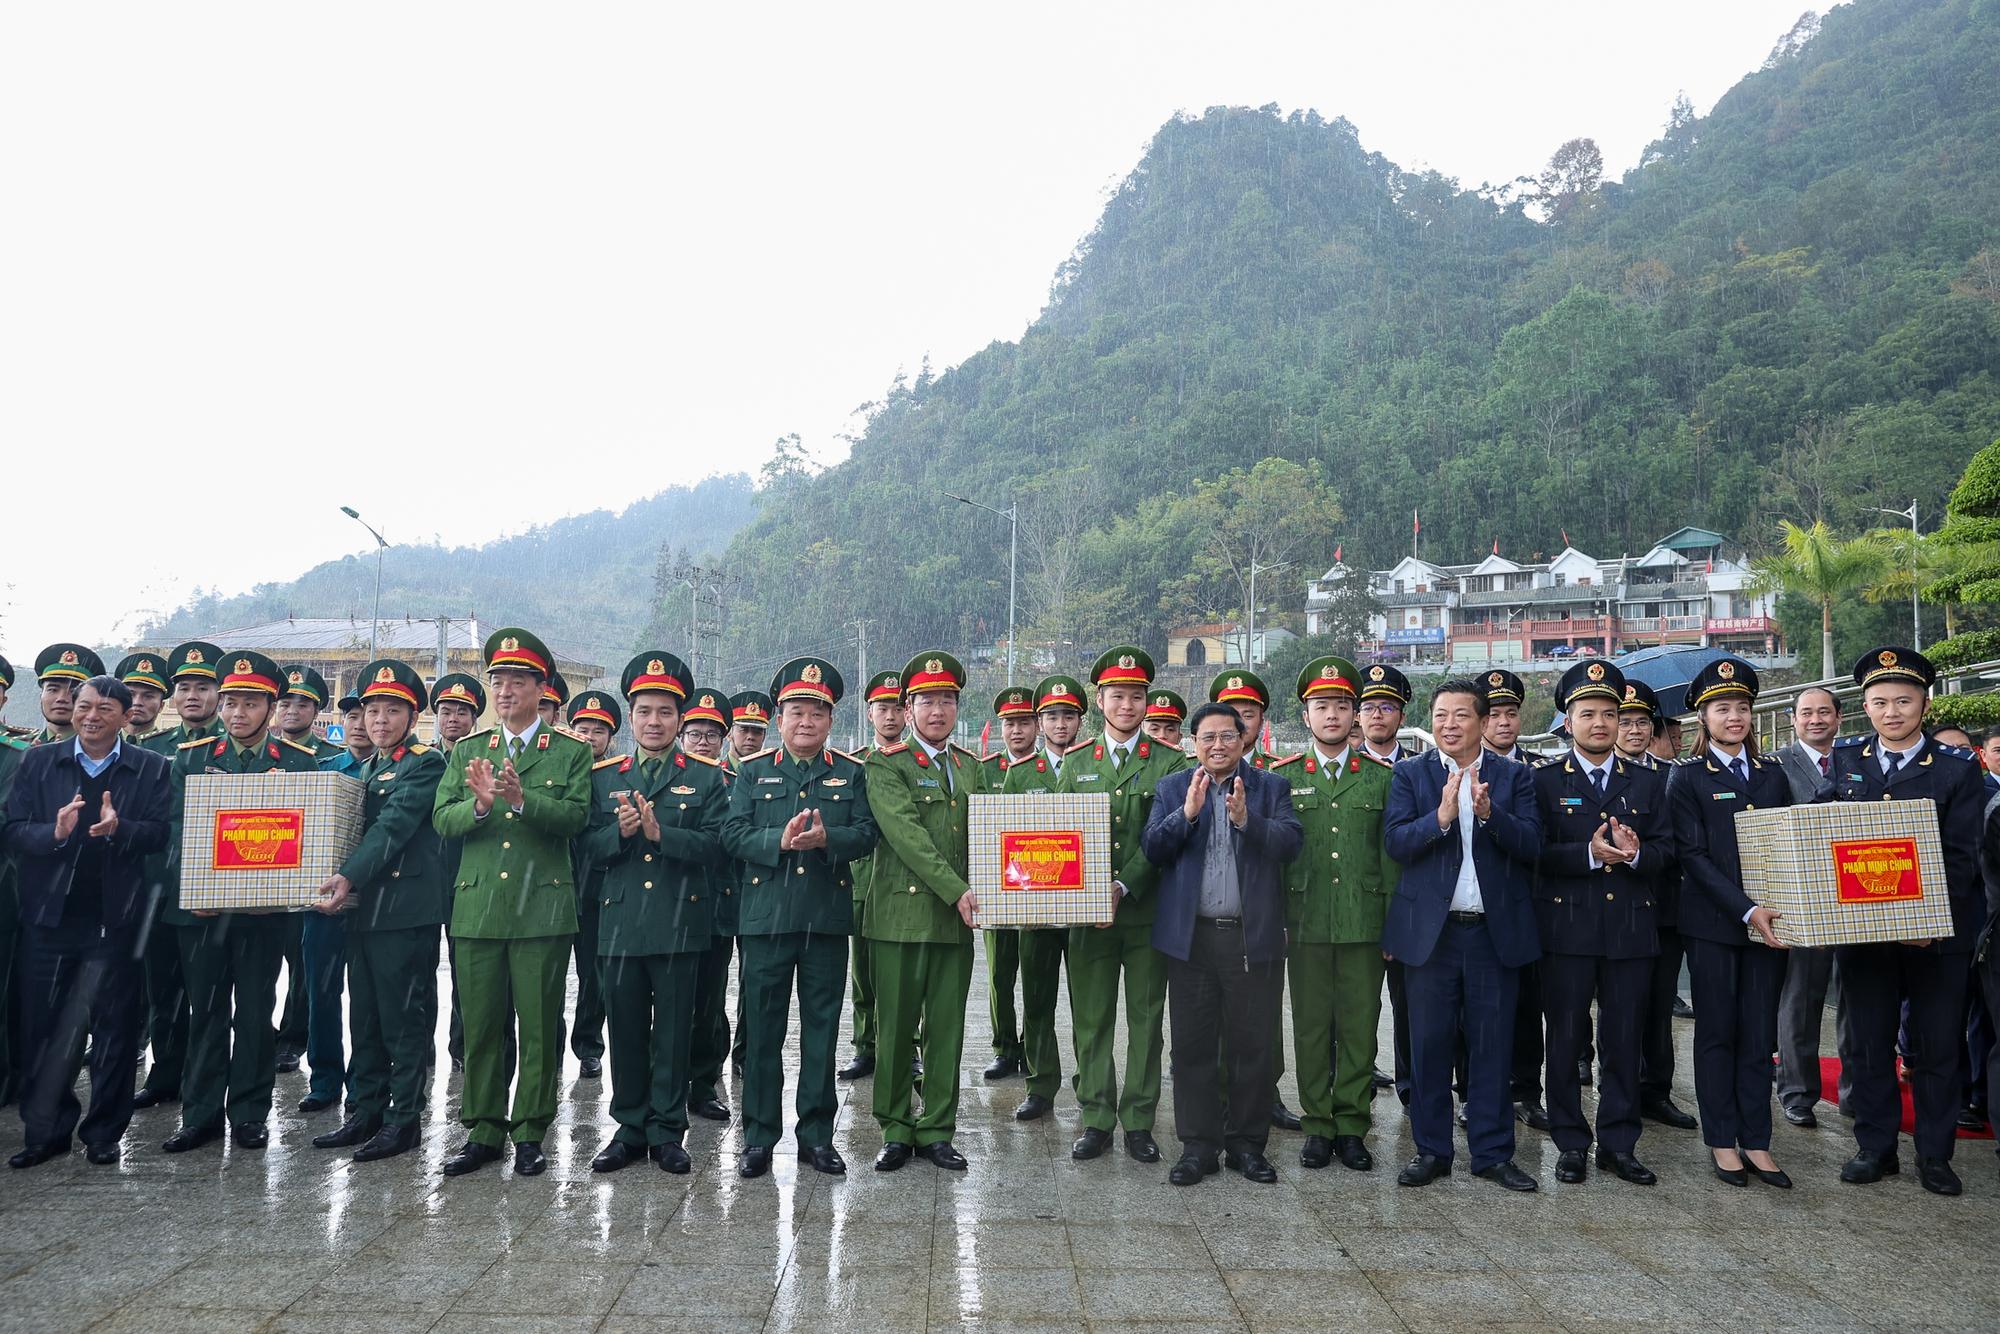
[444, 644]
[861, 677]
[707, 593]
[1250, 634]
[1012, 514]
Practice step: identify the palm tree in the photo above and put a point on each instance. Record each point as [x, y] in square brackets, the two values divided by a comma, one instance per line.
[1911, 564]
[1813, 563]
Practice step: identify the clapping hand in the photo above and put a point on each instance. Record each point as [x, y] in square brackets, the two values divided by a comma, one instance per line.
[107, 819]
[66, 819]
[1448, 799]
[479, 777]
[1237, 804]
[508, 785]
[1482, 797]
[811, 834]
[1197, 796]
[628, 815]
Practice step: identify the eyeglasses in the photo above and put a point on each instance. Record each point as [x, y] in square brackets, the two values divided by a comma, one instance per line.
[1376, 706]
[1215, 738]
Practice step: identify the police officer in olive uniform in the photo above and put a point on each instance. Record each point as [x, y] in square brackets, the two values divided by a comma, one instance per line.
[391, 892]
[517, 794]
[1337, 896]
[886, 718]
[799, 814]
[712, 1031]
[1014, 709]
[1166, 712]
[230, 960]
[61, 670]
[457, 700]
[594, 715]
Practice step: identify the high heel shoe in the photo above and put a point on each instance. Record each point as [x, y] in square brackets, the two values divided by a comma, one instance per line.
[1774, 1177]
[1735, 1176]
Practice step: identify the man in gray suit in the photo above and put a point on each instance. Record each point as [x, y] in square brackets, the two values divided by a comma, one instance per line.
[1807, 761]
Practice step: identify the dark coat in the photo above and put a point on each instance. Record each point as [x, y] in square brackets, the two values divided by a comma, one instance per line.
[1271, 836]
[1611, 912]
[1702, 801]
[1505, 848]
[47, 780]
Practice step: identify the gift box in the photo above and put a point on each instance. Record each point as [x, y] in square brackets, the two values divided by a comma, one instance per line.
[1847, 872]
[265, 840]
[1041, 860]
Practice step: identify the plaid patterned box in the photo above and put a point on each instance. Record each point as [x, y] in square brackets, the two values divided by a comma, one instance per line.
[1847, 872]
[1042, 860]
[265, 840]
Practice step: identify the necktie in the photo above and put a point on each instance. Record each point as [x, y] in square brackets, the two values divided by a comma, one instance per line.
[944, 768]
[1893, 761]
[514, 747]
[1826, 766]
[1597, 780]
[1741, 767]
[649, 769]
[1117, 758]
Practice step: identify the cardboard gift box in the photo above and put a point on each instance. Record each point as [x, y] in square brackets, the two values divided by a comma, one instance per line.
[1847, 872]
[265, 840]
[1042, 860]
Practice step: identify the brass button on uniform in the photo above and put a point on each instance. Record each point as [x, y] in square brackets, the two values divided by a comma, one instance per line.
[503, 875]
[649, 856]
[504, 844]
[649, 884]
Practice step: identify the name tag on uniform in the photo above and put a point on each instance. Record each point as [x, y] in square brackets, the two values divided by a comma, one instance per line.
[1304, 791]
[1722, 796]
[1572, 801]
[928, 782]
[1854, 778]
[681, 791]
[771, 780]
[833, 782]
[1088, 778]
[385, 777]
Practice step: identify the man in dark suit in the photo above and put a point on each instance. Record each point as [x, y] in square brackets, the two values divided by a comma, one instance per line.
[81, 818]
[1465, 827]
[1221, 832]
[1807, 763]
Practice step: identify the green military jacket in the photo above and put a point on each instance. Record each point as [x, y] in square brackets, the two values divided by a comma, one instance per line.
[398, 871]
[514, 878]
[1028, 777]
[725, 873]
[656, 897]
[160, 868]
[920, 864]
[12, 748]
[218, 755]
[1338, 888]
[1086, 767]
[810, 890]
[863, 869]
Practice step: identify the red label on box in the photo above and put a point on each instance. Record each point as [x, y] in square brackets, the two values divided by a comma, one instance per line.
[258, 840]
[1042, 860]
[1877, 870]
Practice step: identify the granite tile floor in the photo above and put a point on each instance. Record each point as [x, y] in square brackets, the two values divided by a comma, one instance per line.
[294, 1238]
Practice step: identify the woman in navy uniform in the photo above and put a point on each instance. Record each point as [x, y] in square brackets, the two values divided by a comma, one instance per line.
[1736, 978]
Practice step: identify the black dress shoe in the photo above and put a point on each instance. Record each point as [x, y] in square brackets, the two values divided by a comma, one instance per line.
[710, 1109]
[288, 1064]
[145, 1098]
[1507, 1175]
[1775, 1177]
[1572, 1166]
[1034, 1107]
[102, 1155]
[1972, 1119]
[616, 1156]
[941, 1154]
[894, 1154]
[1283, 1117]
[1141, 1146]
[1867, 1167]
[754, 1161]
[250, 1135]
[1316, 1152]
[1380, 1080]
[1682, 1010]
[313, 1102]
[589, 1067]
[671, 1157]
[388, 1142]
[39, 1154]
[1191, 1168]
[862, 1065]
[354, 1130]
[1353, 1154]
[1252, 1167]
[1090, 1144]
[826, 1159]
[469, 1158]
[1625, 1167]
[1003, 1067]
[192, 1137]
[1803, 1117]
[1583, 1074]
[1422, 1170]
[1734, 1176]
[1936, 1176]
[529, 1160]
[1531, 1115]
[1667, 1113]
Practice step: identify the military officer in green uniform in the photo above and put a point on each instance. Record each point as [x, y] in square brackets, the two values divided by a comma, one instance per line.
[798, 817]
[1014, 708]
[749, 720]
[1123, 764]
[655, 835]
[1166, 714]
[11, 749]
[230, 960]
[315, 945]
[61, 670]
[595, 716]
[299, 708]
[1337, 895]
[145, 675]
[457, 700]
[516, 794]
[555, 694]
[703, 720]
[7, 684]
[390, 892]
[886, 721]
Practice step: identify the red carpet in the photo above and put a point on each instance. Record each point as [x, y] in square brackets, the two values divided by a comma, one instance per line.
[1829, 1082]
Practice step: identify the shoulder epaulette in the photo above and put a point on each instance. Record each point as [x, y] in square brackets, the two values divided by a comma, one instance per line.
[1289, 759]
[15, 742]
[573, 735]
[1544, 761]
[144, 737]
[966, 751]
[419, 748]
[745, 759]
[303, 750]
[198, 741]
[849, 756]
[1079, 744]
[1959, 752]
[713, 764]
[1842, 742]
[896, 749]
[1367, 754]
[607, 761]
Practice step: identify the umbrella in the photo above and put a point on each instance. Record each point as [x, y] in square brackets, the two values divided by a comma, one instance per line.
[1668, 670]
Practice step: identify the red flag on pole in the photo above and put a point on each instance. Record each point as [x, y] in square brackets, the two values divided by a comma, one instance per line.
[1336, 554]
[1416, 524]
[1565, 533]
[985, 734]
[1496, 546]
[1267, 738]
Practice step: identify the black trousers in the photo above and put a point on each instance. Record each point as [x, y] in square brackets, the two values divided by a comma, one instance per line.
[1736, 989]
[1399, 1027]
[78, 983]
[1215, 1000]
[1569, 982]
[1656, 1033]
[1876, 979]
[1525, 1076]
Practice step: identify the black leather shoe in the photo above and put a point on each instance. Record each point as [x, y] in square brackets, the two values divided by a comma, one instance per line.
[1667, 1113]
[615, 1157]
[826, 1159]
[1252, 1167]
[710, 1109]
[1625, 1167]
[1734, 1176]
[1572, 1166]
[1191, 1168]
[145, 1098]
[1507, 1175]
[1034, 1107]
[102, 1155]
[1003, 1067]
[862, 1065]
[754, 1162]
[1936, 1176]
[894, 1154]
[250, 1135]
[312, 1102]
[1802, 1117]
[1682, 1010]
[1775, 1177]
[192, 1137]
[1531, 1115]
[1353, 1154]
[1584, 1074]
[470, 1158]
[1422, 1170]
[288, 1063]
[1283, 1117]
[1316, 1152]
[1090, 1144]
[589, 1067]
[1867, 1167]
[354, 1130]
[1972, 1119]
[673, 1158]
[1380, 1080]
[941, 1154]
[1141, 1146]
[389, 1142]
[38, 1155]
[529, 1160]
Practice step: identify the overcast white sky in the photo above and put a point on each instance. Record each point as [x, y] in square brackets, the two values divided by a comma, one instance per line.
[474, 267]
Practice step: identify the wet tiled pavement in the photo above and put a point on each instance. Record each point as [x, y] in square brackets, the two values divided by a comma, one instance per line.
[293, 1238]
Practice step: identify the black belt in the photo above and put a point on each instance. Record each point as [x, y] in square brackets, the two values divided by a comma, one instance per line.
[1466, 918]
[1222, 923]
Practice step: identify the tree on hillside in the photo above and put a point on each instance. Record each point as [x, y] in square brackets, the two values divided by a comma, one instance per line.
[1571, 181]
[1266, 519]
[1971, 537]
[1816, 564]
[1057, 514]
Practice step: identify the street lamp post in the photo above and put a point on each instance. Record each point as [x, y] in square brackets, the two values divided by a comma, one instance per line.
[381, 545]
[1250, 634]
[1916, 615]
[1012, 514]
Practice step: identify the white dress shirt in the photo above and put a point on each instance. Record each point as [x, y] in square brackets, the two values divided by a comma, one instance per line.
[1465, 896]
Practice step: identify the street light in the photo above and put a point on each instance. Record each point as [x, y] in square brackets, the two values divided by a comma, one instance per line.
[1250, 634]
[1012, 514]
[1916, 618]
[381, 545]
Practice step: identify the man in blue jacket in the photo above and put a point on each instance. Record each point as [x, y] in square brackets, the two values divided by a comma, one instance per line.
[1465, 827]
[1221, 831]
